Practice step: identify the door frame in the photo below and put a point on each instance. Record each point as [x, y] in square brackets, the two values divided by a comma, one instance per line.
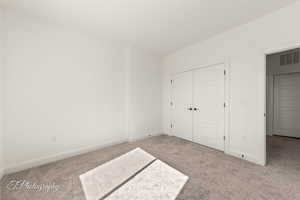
[226, 63]
[267, 52]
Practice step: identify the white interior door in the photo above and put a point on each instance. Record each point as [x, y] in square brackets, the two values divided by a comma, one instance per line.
[287, 105]
[182, 102]
[209, 96]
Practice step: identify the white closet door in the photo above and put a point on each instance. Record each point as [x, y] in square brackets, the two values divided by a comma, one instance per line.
[209, 93]
[287, 105]
[182, 102]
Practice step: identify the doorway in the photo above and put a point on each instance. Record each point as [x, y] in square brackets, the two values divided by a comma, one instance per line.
[283, 106]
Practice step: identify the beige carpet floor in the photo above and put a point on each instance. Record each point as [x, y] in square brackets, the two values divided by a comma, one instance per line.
[213, 175]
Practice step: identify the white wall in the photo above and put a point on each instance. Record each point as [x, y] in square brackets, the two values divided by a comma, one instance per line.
[66, 92]
[244, 47]
[145, 82]
[1, 94]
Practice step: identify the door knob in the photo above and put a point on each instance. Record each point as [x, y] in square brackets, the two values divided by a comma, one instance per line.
[195, 109]
[190, 108]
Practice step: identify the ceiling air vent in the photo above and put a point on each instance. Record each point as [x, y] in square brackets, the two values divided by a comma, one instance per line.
[289, 58]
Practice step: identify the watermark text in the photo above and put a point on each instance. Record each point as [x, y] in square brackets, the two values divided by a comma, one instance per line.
[13, 185]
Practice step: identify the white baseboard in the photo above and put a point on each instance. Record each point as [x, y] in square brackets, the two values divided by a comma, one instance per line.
[247, 157]
[144, 137]
[46, 160]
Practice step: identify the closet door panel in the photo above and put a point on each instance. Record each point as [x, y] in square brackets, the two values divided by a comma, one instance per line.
[182, 103]
[287, 105]
[208, 99]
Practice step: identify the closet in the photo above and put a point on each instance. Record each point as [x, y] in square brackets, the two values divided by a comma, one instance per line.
[198, 106]
[287, 105]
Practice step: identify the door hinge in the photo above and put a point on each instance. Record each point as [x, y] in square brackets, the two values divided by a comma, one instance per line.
[224, 105]
[171, 103]
[224, 72]
[171, 125]
[171, 81]
[224, 137]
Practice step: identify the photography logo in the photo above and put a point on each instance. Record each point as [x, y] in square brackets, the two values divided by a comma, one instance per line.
[14, 185]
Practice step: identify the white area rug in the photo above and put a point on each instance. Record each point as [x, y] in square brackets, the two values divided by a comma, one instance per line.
[99, 182]
[135, 175]
[159, 181]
